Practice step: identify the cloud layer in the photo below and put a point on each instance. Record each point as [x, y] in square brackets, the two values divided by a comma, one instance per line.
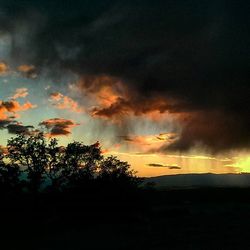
[189, 58]
[58, 126]
[61, 101]
[11, 108]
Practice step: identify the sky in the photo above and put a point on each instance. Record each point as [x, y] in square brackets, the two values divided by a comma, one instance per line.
[163, 85]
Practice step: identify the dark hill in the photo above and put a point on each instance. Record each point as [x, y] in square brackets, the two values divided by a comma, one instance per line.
[200, 180]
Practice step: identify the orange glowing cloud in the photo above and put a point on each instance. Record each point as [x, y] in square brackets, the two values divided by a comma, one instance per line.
[58, 126]
[3, 68]
[106, 96]
[61, 101]
[13, 107]
[113, 148]
[113, 100]
[152, 109]
[28, 71]
[150, 142]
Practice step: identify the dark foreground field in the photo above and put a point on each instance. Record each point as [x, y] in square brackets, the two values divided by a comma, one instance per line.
[175, 219]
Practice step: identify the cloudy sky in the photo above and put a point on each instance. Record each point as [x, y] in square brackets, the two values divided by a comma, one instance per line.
[163, 85]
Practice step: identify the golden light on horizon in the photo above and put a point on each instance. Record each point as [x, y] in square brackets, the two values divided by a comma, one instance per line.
[243, 164]
[147, 165]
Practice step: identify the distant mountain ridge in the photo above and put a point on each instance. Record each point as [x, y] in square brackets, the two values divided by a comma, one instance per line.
[200, 180]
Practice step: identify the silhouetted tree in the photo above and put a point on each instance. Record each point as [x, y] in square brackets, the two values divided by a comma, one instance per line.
[29, 154]
[76, 165]
[55, 169]
[117, 172]
[80, 162]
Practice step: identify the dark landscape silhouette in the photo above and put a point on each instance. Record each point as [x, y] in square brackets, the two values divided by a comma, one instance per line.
[124, 124]
[71, 197]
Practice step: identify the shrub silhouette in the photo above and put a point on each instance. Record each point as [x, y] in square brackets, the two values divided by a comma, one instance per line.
[42, 162]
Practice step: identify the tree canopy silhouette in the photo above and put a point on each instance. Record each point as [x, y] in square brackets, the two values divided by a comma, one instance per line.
[40, 163]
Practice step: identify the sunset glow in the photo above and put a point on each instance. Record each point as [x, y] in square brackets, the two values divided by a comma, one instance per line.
[166, 103]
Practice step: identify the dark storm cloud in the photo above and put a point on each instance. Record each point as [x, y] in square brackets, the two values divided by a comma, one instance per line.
[174, 167]
[193, 51]
[4, 123]
[14, 127]
[19, 129]
[215, 130]
[58, 126]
